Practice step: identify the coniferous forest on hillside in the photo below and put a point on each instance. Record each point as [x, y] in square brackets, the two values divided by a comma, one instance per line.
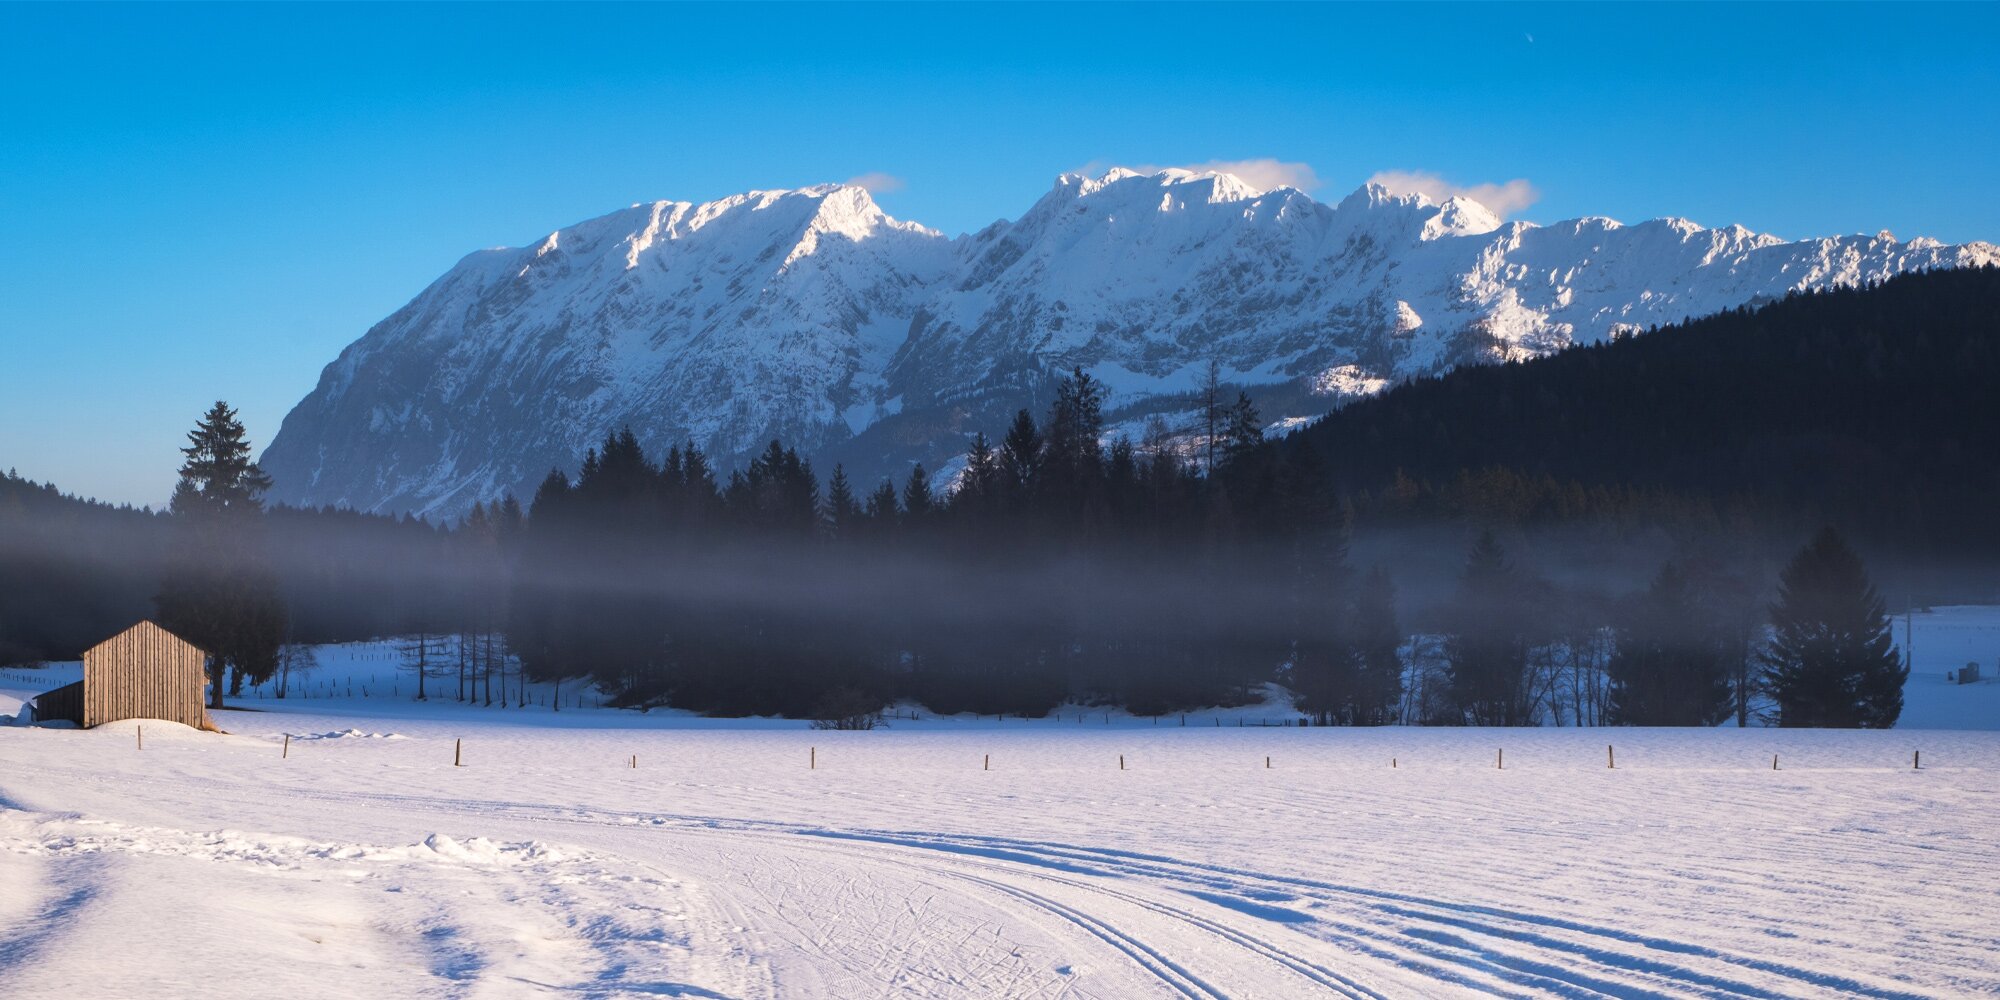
[1640, 511]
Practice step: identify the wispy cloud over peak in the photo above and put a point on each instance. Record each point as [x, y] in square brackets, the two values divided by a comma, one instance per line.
[877, 182]
[1262, 173]
[1503, 199]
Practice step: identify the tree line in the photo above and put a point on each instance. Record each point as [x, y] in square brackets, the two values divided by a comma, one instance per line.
[1053, 569]
[1418, 557]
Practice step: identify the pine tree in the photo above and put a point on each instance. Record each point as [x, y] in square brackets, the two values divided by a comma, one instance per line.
[1378, 642]
[1211, 410]
[882, 508]
[1667, 669]
[917, 499]
[1076, 425]
[1831, 661]
[777, 492]
[1021, 454]
[507, 523]
[1242, 429]
[217, 476]
[981, 482]
[219, 592]
[843, 511]
[1487, 640]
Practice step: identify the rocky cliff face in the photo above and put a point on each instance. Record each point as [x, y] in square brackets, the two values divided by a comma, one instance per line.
[812, 316]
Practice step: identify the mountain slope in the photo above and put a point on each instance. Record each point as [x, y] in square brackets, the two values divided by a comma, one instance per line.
[1872, 409]
[813, 316]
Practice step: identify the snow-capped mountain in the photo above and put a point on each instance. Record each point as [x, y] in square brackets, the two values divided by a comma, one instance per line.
[812, 316]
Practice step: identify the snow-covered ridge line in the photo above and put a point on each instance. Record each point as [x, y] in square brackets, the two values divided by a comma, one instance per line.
[814, 316]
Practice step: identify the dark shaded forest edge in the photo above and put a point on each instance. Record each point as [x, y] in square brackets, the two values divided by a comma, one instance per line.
[1642, 495]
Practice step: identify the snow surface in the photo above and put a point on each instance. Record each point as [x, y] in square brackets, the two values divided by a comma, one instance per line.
[1947, 639]
[813, 316]
[365, 864]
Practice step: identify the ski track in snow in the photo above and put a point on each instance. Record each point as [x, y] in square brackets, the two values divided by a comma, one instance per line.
[898, 868]
[363, 864]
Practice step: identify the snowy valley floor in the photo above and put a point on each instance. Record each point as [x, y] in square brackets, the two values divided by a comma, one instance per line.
[209, 866]
[364, 864]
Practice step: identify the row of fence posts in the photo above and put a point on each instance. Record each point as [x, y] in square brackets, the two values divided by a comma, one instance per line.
[986, 760]
[330, 689]
[1302, 721]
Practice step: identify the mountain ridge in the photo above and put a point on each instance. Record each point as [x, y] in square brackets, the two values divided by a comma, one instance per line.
[814, 316]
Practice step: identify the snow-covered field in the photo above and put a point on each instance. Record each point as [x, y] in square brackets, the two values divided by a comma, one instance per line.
[725, 865]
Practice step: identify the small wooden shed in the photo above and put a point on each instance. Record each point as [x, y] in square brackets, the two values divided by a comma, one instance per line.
[144, 672]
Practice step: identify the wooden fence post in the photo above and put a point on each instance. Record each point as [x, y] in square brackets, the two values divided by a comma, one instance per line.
[1610, 756]
[1121, 762]
[457, 753]
[1916, 760]
[987, 763]
[142, 737]
[288, 747]
[812, 759]
[1500, 759]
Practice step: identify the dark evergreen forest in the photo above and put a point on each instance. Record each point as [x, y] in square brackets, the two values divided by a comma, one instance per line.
[1653, 486]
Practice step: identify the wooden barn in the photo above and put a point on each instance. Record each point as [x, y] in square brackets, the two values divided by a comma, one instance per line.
[144, 672]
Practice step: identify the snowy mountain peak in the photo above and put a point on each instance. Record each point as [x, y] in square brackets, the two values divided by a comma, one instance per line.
[1460, 216]
[812, 315]
[1373, 196]
[1183, 184]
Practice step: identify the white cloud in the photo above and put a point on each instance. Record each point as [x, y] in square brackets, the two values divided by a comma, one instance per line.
[1504, 199]
[1263, 173]
[877, 182]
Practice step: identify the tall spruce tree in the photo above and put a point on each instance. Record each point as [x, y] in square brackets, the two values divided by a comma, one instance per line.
[1488, 640]
[918, 504]
[882, 507]
[1211, 411]
[1021, 455]
[843, 511]
[1377, 644]
[1667, 667]
[1242, 428]
[218, 591]
[1831, 661]
[1072, 451]
[980, 484]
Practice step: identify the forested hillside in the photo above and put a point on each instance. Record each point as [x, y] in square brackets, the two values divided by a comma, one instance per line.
[73, 571]
[1651, 486]
[1876, 409]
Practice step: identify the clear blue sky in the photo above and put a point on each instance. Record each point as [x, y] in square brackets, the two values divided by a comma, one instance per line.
[209, 202]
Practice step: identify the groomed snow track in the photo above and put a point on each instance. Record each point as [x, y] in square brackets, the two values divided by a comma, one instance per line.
[724, 867]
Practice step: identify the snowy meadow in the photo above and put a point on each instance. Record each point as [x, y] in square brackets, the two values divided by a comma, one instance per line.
[331, 845]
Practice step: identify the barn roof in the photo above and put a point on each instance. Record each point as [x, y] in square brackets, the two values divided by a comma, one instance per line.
[144, 626]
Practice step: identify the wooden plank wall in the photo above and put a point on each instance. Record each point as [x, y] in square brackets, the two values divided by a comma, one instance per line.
[144, 672]
[65, 702]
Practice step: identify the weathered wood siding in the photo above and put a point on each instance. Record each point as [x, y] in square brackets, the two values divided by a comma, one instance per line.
[65, 702]
[144, 672]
